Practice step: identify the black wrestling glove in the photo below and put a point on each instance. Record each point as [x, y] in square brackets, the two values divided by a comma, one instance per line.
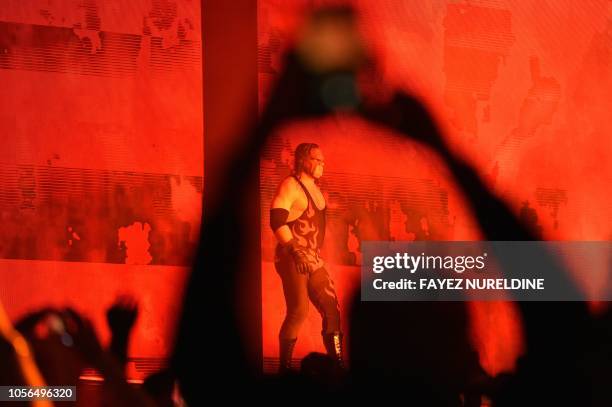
[298, 253]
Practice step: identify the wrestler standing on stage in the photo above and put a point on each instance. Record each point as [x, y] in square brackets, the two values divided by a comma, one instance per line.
[297, 217]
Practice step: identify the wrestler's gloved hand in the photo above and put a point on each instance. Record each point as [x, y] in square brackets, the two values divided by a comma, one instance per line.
[299, 256]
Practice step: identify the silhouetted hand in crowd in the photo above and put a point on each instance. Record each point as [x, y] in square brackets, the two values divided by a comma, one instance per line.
[121, 317]
[53, 344]
[84, 336]
[64, 343]
[87, 344]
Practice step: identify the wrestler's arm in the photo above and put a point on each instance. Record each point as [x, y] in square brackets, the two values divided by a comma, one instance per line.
[279, 213]
[284, 199]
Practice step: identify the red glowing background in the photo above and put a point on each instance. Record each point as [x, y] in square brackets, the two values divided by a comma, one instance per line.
[521, 89]
[101, 165]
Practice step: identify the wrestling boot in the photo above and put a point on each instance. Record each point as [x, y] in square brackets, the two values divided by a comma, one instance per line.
[286, 352]
[333, 346]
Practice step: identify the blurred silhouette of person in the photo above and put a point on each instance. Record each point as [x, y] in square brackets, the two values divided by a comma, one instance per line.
[297, 218]
[422, 344]
[320, 370]
[421, 347]
[160, 386]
